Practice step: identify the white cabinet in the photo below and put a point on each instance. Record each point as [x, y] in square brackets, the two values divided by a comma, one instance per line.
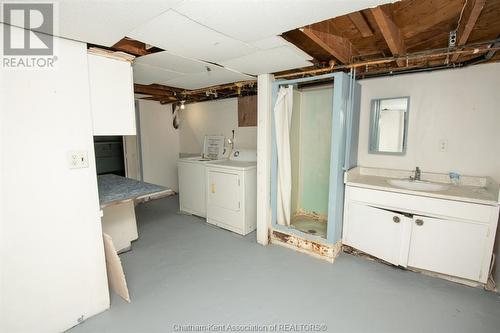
[437, 235]
[376, 231]
[111, 96]
[448, 246]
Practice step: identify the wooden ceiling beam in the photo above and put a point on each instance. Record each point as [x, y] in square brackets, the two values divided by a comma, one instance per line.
[153, 91]
[166, 94]
[361, 24]
[339, 47]
[391, 33]
[131, 46]
[467, 22]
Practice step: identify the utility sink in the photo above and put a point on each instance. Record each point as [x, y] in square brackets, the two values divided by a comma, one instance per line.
[417, 185]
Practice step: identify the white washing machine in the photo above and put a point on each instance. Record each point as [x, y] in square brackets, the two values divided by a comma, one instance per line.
[192, 180]
[232, 192]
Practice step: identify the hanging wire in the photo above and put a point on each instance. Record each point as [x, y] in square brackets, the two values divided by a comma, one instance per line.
[175, 113]
[461, 14]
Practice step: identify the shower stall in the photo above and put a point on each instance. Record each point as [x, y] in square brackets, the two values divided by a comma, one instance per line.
[314, 140]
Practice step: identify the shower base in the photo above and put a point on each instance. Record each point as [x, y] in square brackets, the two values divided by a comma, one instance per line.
[309, 224]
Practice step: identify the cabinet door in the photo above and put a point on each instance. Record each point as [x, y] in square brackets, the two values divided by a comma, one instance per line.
[111, 96]
[378, 232]
[448, 247]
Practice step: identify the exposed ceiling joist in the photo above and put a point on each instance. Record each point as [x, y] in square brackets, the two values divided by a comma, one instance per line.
[467, 21]
[423, 55]
[361, 24]
[401, 37]
[131, 46]
[491, 53]
[155, 90]
[339, 47]
[391, 33]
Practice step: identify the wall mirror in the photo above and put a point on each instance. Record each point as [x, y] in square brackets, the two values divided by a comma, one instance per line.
[389, 125]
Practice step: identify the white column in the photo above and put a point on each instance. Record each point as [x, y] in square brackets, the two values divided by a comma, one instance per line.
[264, 109]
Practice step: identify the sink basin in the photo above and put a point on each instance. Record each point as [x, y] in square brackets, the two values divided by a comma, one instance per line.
[417, 185]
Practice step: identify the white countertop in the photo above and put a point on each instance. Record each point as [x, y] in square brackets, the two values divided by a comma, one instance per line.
[481, 190]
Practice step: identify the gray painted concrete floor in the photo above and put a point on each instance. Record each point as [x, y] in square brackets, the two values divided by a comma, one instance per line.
[183, 271]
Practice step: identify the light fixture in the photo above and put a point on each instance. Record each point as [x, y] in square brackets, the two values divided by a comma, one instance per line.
[182, 105]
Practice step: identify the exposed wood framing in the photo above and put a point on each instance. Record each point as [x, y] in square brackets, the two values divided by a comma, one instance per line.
[317, 249]
[240, 84]
[424, 55]
[391, 33]
[111, 54]
[166, 94]
[468, 20]
[399, 37]
[339, 47]
[160, 93]
[361, 24]
[131, 46]
[154, 90]
[306, 44]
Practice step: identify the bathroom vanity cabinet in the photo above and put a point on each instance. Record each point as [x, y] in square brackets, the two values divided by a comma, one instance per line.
[448, 237]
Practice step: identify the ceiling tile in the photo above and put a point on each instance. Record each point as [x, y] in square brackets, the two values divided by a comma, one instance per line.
[172, 62]
[252, 20]
[179, 35]
[207, 79]
[105, 22]
[270, 42]
[269, 61]
[146, 74]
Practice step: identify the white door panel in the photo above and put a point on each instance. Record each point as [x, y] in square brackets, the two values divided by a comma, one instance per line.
[192, 188]
[224, 190]
[448, 247]
[376, 231]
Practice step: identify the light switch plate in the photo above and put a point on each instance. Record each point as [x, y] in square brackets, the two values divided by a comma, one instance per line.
[78, 159]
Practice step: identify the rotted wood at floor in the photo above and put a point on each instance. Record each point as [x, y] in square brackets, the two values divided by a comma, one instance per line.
[319, 250]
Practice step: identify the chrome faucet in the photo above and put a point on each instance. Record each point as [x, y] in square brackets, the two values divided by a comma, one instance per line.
[417, 175]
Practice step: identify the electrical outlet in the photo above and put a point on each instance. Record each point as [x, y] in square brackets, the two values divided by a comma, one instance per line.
[78, 159]
[452, 39]
[443, 146]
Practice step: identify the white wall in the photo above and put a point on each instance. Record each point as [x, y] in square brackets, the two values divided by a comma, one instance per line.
[217, 117]
[53, 266]
[461, 106]
[159, 144]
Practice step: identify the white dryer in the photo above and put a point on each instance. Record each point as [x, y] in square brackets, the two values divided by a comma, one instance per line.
[232, 192]
[192, 181]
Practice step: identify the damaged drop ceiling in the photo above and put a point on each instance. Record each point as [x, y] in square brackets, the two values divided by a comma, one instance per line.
[188, 45]
[229, 39]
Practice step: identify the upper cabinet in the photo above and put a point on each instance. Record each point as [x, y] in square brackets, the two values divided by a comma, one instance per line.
[111, 95]
[247, 111]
